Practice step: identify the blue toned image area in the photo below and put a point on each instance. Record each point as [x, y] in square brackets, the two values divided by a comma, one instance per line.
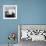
[28, 12]
[8, 25]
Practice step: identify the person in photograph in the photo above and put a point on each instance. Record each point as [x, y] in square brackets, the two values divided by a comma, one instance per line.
[10, 13]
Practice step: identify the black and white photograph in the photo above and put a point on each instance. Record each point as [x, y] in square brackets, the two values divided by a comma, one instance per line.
[9, 11]
[29, 35]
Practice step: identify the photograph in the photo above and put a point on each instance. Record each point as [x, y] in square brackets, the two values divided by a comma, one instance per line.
[29, 34]
[9, 11]
[33, 32]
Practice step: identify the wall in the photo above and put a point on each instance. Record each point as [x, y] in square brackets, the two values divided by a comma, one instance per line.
[7, 26]
[34, 12]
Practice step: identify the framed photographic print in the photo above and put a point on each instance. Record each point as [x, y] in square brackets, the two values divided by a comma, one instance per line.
[31, 32]
[9, 11]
